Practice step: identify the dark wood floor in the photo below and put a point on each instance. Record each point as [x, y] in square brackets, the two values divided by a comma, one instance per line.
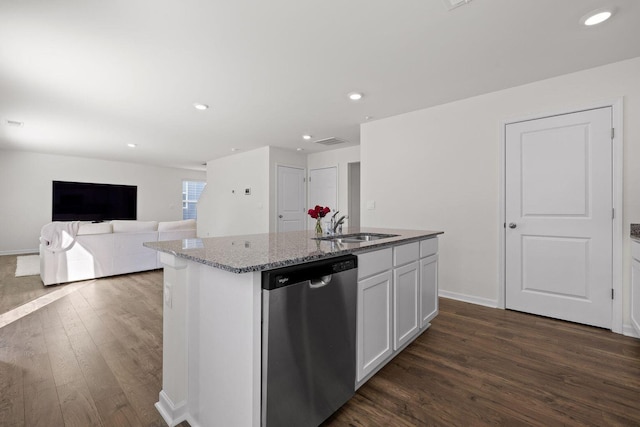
[94, 358]
[484, 366]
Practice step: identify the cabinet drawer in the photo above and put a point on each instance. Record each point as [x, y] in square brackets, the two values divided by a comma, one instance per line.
[428, 247]
[405, 254]
[635, 249]
[374, 262]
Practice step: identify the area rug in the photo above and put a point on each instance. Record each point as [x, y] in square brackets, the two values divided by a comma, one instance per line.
[28, 265]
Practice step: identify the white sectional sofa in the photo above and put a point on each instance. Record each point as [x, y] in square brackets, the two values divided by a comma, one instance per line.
[110, 248]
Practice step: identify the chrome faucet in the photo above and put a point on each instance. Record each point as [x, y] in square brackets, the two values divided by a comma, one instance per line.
[332, 227]
[337, 227]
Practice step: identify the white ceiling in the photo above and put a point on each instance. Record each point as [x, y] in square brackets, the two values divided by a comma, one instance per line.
[87, 77]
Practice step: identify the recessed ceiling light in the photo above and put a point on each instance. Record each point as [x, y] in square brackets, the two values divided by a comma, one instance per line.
[199, 106]
[306, 137]
[368, 117]
[596, 17]
[132, 145]
[299, 149]
[235, 149]
[355, 96]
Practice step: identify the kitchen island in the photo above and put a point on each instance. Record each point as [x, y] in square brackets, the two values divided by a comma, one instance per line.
[213, 311]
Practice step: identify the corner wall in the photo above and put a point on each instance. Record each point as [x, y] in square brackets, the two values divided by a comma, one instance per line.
[439, 169]
[25, 191]
[225, 210]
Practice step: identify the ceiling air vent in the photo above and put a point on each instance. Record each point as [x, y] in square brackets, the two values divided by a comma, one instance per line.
[330, 141]
[14, 123]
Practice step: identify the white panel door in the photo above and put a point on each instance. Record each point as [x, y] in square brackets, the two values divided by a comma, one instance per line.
[291, 196]
[559, 217]
[323, 188]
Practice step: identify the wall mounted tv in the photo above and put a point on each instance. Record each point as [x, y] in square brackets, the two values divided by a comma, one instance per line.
[83, 201]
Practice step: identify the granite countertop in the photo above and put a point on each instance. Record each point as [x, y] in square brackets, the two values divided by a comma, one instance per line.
[635, 232]
[257, 252]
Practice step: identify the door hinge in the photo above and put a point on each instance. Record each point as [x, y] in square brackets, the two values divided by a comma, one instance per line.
[504, 225]
[612, 294]
[305, 179]
[613, 133]
[613, 213]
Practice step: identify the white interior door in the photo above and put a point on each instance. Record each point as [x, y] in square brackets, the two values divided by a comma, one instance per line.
[558, 210]
[291, 197]
[323, 188]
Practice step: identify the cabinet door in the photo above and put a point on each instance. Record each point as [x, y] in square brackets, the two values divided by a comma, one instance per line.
[635, 294]
[406, 296]
[428, 289]
[374, 323]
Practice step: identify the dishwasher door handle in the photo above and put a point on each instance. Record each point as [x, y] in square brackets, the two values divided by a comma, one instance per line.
[319, 283]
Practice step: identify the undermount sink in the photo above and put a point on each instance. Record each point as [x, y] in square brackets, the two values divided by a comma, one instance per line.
[355, 237]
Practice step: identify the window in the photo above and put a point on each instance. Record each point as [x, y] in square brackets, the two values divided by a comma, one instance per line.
[191, 191]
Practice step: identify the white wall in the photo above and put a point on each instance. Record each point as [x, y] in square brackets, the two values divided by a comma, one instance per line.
[227, 211]
[25, 191]
[341, 158]
[439, 169]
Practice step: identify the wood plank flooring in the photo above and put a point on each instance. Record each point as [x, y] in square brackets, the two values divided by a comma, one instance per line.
[93, 358]
[484, 366]
[15, 291]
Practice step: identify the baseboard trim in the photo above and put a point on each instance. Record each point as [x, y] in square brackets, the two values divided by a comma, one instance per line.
[468, 298]
[171, 413]
[630, 331]
[20, 252]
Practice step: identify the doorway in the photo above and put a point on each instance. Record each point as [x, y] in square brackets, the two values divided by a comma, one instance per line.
[559, 244]
[291, 196]
[323, 188]
[353, 194]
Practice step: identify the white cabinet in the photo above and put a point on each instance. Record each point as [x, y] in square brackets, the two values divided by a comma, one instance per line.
[397, 298]
[406, 295]
[428, 289]
[374, 323]
[635, 285]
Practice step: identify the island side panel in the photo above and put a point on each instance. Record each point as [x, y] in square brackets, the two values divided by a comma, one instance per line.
[172, 403]
[224, 347]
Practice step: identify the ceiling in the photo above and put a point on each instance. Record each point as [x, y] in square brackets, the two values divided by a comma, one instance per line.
[88, 77]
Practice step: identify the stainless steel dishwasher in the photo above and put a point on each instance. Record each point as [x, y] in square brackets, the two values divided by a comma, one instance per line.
[308, 341]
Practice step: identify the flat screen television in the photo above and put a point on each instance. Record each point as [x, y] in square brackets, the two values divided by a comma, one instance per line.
[83, 201]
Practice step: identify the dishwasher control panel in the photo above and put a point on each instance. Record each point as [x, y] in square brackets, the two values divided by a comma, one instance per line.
[277, 278]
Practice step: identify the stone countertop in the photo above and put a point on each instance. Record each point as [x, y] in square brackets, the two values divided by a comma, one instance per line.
[257, 252]
[635, 232]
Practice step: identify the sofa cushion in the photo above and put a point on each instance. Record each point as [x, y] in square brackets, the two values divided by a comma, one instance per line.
[121, 226]
[95, 228]
[187, 224]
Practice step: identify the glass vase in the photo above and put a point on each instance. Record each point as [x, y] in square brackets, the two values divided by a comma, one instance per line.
[318, 227]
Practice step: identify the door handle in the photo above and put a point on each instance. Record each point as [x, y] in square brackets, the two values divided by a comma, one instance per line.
[512, 225]
[279, 216]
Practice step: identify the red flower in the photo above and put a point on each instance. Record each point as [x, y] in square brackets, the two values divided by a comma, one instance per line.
[318, 212]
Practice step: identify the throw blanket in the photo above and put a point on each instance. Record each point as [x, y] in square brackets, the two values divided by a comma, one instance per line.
[59, 236]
